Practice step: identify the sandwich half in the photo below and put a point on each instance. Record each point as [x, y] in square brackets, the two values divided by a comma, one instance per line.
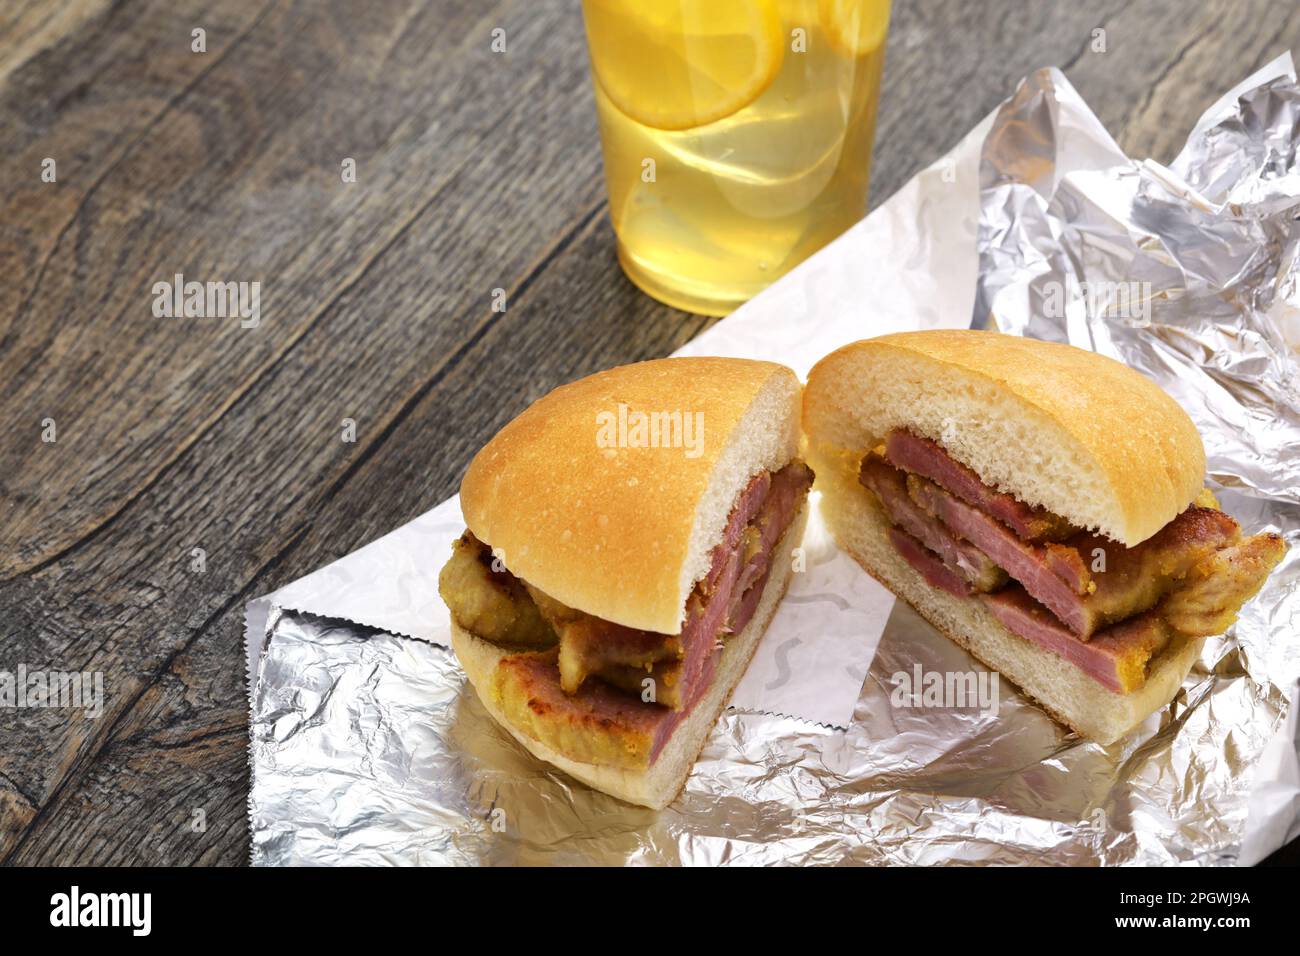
[1041, 505]
[629, 537]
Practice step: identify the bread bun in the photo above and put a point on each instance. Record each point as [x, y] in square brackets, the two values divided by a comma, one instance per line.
[1081, 435]
[624, 533]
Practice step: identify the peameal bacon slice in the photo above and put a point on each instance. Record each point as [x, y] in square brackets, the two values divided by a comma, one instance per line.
[962, 558]
[584, 695]
[1206, 603]
[1061, 575]
[599, 724]
[927, 458]
[1108, 609]
[1118, 657]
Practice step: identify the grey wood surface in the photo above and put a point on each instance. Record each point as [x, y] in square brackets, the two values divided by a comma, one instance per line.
[476, 171]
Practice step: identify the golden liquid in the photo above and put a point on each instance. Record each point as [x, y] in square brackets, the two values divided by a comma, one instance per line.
[742, 157]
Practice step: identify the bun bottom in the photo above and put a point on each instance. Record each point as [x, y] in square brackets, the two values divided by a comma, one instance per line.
[1069, 695]
[658, 785]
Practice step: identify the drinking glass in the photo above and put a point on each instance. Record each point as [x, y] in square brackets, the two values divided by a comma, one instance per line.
[736, 135]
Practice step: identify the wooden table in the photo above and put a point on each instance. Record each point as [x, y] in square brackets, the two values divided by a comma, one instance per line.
[475, 171]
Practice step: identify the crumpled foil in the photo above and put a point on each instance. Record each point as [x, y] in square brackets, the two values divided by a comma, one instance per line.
[370, 748]
[1188, 274]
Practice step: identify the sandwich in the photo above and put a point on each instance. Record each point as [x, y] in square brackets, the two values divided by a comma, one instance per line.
[1041, 505]
[629, 538]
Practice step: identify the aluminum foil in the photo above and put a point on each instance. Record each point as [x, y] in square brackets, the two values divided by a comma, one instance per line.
[1188, 273]
[369, 748]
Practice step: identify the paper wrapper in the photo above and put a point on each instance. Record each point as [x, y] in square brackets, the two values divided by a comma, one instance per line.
[369, 747]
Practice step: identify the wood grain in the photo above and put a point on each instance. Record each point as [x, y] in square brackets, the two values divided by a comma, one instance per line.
[476, 171]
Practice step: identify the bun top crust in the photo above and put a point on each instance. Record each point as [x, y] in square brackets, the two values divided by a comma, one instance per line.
[1080, 434]
[617, 519]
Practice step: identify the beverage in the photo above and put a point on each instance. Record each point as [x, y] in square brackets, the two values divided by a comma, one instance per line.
[736, 135]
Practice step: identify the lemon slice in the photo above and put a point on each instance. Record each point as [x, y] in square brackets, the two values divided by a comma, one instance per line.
[684, 63]
[855, 27]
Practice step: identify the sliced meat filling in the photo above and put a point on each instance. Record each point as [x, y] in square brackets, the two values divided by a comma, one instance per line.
[1218, 586]
[962, 558]
[758, 545]
[927, 458]
[1054, 574]
[936, 572]
[591, 646]
[1118, 657]
[1106, 608]
[1087, 581]
[718, 605]
[1205, 603]
[587, 697]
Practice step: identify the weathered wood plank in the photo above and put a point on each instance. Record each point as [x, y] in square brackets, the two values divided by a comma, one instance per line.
[30, 26]
[1207, 48]
[237, 179]
[84, 98]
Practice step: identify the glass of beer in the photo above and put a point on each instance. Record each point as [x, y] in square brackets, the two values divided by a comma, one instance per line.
[736, 135]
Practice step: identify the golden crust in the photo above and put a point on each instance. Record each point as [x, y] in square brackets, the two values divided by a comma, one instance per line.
[597, 725]
[608, 530]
